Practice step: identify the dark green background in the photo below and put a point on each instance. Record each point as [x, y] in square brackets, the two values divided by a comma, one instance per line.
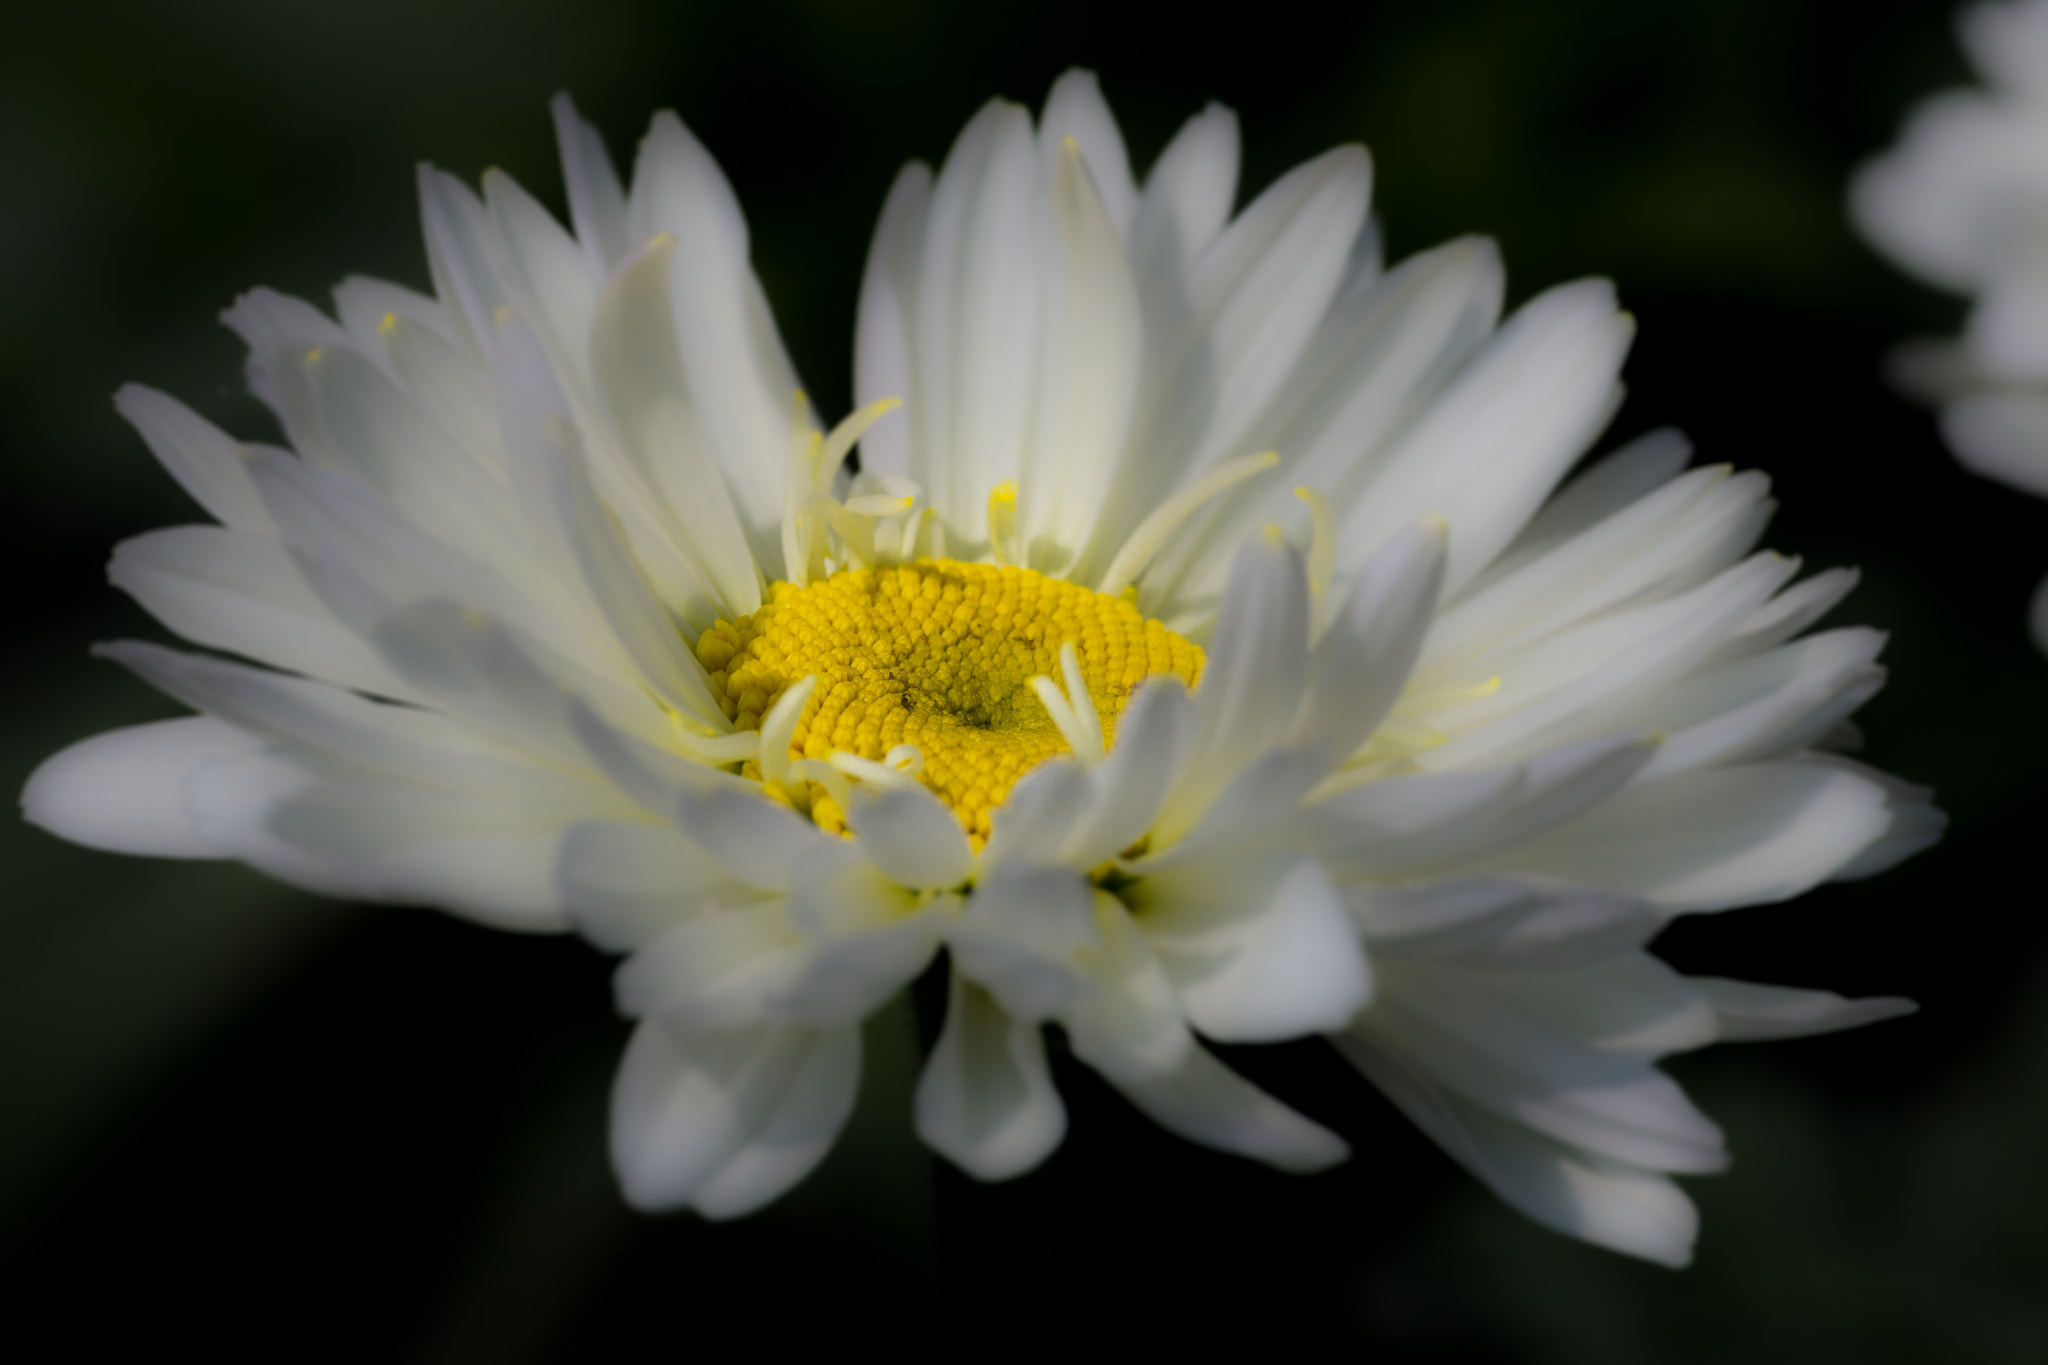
[239, 1121]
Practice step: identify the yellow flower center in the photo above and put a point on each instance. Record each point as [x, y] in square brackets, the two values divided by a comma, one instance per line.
[940, 655]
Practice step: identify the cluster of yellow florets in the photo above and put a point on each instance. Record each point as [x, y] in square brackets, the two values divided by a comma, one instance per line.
[937, 654]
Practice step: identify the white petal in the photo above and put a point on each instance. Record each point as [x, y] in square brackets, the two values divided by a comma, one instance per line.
[1786, 615]
[1129, 1026]
[867, 938]
[1498, 438]
[1092, 339]
[1153, 737]
[657, 411]
[1608, 485]
[280, 332]
[124, 790]
[1359, 667]
[500, 683]
[1026, 938]
[1748, 1011]
[715, 970]
[1260, 809]
[1259, 950]
[1568, 683]
[459, 256]
[204, 460]
[1376, 360]
[1716, 839]
[1206, 1102]
[544, 270]
[1519, 922]
[739, 377]
[726, 1122]
[1252, 681]
[977, 326]
[1187, 200]
[758, 841]
[1404, 825]
[912, 837]
[649, 647]
[1039, 816]
[367, 307]
[1663, 543]
[2003, 436]
[1604, 1202]
[1912, 821]
[339, 730]
[242, 592]
[1475, 1034]
[985, 1101]
[1075, 108]
[597, 203]
[883, 362]
[1935, 201]
[1629, 1002]
[1380, 355]
[1765, 706]
[1253, 301]
[485, 856]
[627, 883]
[795, 1137]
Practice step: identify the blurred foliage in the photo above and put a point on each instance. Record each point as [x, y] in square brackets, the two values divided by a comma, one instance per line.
[241, 1119]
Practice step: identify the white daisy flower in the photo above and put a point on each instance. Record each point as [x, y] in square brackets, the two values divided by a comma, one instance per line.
[1203, 652]
[1962, 202]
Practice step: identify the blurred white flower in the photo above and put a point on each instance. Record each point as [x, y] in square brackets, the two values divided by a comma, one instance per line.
[1962, 202]
[565, 614]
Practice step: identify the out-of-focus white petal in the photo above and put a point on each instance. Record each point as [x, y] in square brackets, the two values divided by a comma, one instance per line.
[597, 202]
[1206, 1102]
[867, 937]
[985, 1101]
[205, 460]
[884, 365]
[713, 971]
[911, 837]
[1048, 806]
[1259, 949]
[1748, 1011]
[1026, 938]
[124, 790]
[1608, 1203]
[2009, 44]
[2003, 436]
[242, 592]
[1186, 202]
[627, 883]
[1129, 1026]
[1074, 108]
[725, 1122]
[1912, 821]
